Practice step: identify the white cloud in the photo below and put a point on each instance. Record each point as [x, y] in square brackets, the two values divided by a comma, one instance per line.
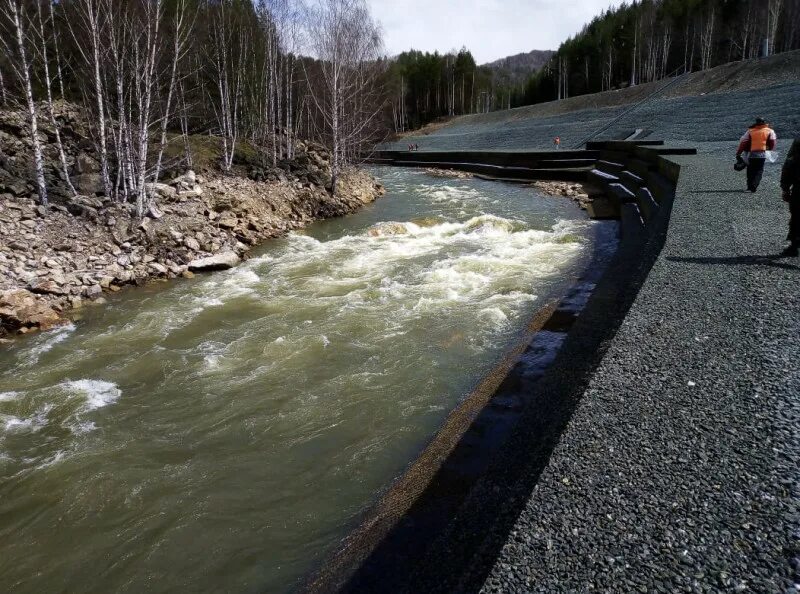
[491, 29]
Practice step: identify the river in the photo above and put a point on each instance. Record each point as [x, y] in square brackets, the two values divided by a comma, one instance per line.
[224, 433]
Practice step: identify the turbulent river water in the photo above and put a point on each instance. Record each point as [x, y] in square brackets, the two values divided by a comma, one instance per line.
[224, 433]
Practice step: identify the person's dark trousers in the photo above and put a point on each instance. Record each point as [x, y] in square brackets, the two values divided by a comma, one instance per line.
[755, 170]
[794, 219]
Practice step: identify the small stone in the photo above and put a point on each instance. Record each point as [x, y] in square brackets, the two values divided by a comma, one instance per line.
[221, 261]
[192, 244]
[94, 291]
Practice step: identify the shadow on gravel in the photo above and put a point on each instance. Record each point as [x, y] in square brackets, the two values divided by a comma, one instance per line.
[718, 192]
[772, 260]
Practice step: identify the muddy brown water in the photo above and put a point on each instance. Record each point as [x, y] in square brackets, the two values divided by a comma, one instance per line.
[225, 433]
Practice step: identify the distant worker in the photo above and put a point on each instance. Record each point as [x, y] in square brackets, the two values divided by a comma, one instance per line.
[790, 184]
[416, 147]
[557, 142]
[758, 139]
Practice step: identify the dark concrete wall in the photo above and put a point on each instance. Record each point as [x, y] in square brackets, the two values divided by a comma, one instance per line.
[427, 531]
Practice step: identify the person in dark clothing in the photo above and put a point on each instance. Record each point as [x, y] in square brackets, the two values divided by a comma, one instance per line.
[790, 184]
[758, 139]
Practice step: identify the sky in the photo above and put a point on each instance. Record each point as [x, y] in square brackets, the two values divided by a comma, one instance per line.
[491, 29]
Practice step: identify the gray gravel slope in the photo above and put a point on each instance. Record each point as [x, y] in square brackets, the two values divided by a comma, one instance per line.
[679, 469]
[720, 116]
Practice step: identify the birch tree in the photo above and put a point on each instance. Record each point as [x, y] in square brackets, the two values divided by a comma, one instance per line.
[182, 27]
[707, 38]
[3, 96]
[347, 44]
[43, 38]
[228, 51]
[56, 49]
[20, 64]
[93, 23]
[774, 9]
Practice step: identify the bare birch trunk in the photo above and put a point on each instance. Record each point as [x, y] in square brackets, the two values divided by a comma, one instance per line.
[774, 8]
[3, 89]
[707, 41]
[187, 149]
[51, 111]
[94, 30]
[56, 48]
[177, 49]
[152, 41]
[22, 68]
[635, 51]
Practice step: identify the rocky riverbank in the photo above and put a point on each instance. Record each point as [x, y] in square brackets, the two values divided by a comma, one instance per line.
[570, 190]
[448, 173]
[68, 255]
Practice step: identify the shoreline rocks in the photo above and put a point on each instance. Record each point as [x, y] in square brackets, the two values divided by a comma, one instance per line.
[70, 254]
[21, 311]
[67, 255]
[574, 191]
[63, 257]
[221, 261]
[449, 173]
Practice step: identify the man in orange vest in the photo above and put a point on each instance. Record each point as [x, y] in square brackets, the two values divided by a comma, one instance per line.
[758, 139]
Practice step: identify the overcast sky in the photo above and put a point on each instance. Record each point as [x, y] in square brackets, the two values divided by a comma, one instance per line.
[491, 29]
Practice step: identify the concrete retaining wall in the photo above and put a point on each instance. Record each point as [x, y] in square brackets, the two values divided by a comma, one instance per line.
[403, 543]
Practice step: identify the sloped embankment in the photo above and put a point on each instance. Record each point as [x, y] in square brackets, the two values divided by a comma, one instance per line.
[711, 105]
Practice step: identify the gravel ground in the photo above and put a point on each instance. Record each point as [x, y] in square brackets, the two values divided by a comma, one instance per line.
[721, 116]
[678, 471]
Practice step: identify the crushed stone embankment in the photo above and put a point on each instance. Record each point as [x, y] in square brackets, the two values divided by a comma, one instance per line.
[679, 469]
[715, 104]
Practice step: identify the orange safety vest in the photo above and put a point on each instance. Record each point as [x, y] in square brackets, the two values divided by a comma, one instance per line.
[759, 136]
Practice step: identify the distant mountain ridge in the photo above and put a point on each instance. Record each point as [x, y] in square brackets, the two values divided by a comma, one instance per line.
[519, 67]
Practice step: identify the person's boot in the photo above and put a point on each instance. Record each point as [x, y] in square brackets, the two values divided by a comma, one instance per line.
[791, 252]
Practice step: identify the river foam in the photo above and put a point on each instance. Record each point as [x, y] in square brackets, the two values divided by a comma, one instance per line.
[64, 405]
[96, 392]
[292, 388]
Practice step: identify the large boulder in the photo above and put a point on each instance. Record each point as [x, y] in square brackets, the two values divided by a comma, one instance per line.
[17, 187]
[47, 287]
[86, 206]
[86, 164]
[221, 261]
[20, 310]
[88, 183]
[164, 191]
[186, 181]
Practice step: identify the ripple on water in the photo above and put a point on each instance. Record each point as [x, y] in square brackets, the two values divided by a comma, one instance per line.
[51, 417]
[298, 384]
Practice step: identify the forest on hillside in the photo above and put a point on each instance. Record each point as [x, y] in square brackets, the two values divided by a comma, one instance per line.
[267, 72]
[153, 72]
[640, 41]
[648, 40]
[424, 86]
[519, 67]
